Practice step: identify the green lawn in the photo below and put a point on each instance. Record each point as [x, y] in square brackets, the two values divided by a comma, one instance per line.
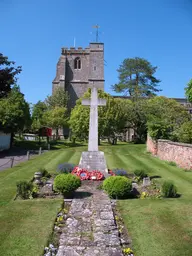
[26, 225]
[157, 227]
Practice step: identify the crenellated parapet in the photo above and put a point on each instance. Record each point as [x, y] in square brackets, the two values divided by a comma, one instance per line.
[75, 51]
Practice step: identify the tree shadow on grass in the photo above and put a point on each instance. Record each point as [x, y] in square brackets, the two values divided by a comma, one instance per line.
[155, 177]
[59, 145]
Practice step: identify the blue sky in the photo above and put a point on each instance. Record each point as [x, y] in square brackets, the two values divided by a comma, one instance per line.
[33, 32]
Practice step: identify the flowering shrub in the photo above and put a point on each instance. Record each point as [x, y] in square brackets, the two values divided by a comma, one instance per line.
[120, 172]
[65, 168]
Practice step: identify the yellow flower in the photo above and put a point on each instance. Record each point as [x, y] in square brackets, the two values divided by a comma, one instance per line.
[127, 251]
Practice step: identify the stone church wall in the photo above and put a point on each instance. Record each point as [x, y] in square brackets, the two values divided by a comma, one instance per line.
[180, 153]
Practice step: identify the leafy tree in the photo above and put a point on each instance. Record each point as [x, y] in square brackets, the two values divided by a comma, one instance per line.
[188, 91]
[38, 110]
[59, 98]
[79, 121]
[55, 118]
[37, 115]
[14, 112]
[164, 117]
[7, 75]
[112, 117]
[137, 118]
[184, 132]
[136, 78]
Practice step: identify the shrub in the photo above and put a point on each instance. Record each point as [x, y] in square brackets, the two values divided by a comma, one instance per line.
[172, 163]
[65, 168]
[45, 173]
[66, 183]
[117, 186]
[24, 189]
[184, 133]
[119, 172]
[140, 173]
[35, 191]
[169, 189]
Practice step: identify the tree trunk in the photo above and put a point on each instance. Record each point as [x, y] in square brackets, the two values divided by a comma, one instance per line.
[12, 140]
[57, 133]
[99, 141]
[73, 141]
[109, 140]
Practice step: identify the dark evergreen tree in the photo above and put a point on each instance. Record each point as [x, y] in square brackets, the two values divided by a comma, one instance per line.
[8, 74]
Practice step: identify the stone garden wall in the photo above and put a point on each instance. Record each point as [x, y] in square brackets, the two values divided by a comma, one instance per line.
[167, 150]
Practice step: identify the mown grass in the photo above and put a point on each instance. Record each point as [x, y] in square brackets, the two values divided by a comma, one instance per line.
[157, 227]
[26, 225]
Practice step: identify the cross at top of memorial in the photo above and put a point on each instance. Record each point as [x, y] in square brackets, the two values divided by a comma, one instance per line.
[94, 102]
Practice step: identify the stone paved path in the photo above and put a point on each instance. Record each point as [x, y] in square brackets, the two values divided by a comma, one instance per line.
[90, 228]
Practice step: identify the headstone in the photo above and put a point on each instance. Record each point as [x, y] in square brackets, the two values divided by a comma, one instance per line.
[146, 181]
[93, 159]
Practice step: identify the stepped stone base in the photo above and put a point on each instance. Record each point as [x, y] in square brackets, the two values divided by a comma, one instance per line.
[94, 160]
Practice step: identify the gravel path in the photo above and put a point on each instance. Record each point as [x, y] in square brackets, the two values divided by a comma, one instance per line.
[90, 228]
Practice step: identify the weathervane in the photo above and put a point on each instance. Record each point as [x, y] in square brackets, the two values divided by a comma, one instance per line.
[97, 32]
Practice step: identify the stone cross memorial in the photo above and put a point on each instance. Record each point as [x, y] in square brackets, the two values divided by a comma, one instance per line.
[93, 159]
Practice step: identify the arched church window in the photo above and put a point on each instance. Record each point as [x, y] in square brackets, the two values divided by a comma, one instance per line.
[77, 63]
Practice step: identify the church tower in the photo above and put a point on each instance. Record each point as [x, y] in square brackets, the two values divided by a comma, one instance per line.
[80, 69]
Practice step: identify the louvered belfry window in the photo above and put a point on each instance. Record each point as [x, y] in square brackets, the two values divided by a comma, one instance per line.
[77, 63]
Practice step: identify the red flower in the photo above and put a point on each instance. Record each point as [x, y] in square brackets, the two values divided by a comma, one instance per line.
[96, 175]
[111, 172]
[84, 174]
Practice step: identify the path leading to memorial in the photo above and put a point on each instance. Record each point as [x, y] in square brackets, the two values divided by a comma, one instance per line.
[90, 228]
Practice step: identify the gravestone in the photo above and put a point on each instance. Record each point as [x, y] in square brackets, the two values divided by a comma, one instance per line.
[93, 159]
[146, 181]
